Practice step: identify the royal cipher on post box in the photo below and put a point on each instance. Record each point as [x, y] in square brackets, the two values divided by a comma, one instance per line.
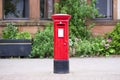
[61, 43]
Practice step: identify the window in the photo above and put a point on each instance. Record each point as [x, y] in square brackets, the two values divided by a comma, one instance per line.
[16, 9]
[104, 9]
[46, 9]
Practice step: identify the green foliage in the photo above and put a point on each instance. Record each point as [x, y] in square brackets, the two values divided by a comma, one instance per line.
[43, 43]
[115, 40]
[99, 46]
[10, 31]
[106, 50]
[80, 11]
[23, 35]
[90, 47]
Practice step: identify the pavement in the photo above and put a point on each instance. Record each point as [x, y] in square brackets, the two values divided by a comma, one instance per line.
[42, 69]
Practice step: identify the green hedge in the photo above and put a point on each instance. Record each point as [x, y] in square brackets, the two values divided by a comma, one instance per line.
[42, 46]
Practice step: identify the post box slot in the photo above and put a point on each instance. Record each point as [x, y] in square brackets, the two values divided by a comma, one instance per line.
[60, 24]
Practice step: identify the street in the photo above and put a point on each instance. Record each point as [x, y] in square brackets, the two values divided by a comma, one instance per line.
[42, 69]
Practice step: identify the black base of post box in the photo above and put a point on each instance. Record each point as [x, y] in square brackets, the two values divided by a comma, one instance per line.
[61, 66]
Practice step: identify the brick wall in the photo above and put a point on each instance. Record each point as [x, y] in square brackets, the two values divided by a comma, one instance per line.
[29, 25]
[1, 10]
[101, 30]
[34, 22]
[104, 26]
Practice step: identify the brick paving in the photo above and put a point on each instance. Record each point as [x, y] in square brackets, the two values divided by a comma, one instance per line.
[42, 69]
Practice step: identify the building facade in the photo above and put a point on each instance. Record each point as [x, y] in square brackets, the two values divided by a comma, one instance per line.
[110, 16]
[30, 15]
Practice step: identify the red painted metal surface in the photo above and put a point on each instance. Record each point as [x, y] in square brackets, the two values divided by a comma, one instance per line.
[61, 36]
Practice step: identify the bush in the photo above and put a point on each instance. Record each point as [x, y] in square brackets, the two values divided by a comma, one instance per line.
[107, 50]
[23, 35]
[104, 46]
[114, 40]
[43, 43]
[10, 31]
[80, 11]
[92, 47]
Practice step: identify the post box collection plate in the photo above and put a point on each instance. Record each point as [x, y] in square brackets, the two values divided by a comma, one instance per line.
[60, 32]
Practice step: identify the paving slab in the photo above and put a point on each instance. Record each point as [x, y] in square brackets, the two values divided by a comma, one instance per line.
[42, 69]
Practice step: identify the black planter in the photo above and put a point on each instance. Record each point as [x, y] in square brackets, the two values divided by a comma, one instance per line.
[16, 47]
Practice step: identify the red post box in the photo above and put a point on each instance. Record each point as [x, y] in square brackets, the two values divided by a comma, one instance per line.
[61, 43]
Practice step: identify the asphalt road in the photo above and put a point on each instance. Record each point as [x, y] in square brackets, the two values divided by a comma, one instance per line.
[42, 69]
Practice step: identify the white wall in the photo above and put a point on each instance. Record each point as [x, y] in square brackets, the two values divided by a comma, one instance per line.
[118, 9]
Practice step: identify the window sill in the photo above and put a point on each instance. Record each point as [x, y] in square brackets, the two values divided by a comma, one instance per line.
[26, 22]
[104, 22]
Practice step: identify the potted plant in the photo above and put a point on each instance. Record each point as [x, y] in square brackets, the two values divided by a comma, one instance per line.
[14, 43]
